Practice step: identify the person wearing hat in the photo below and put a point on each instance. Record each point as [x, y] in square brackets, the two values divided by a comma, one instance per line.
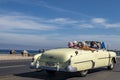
[70, 44]
[75, 44]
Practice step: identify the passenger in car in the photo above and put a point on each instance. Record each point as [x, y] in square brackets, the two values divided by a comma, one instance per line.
[99, 45]
[94, 45]
[82, 45]
[75, 44]
[70, 44]
[103, 45]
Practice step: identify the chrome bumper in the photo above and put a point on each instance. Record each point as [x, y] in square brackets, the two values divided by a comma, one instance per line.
[32, 65]
[57, 68]
[71, 69]
[67, 69]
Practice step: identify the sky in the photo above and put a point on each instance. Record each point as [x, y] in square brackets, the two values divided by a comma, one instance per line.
[36, 24]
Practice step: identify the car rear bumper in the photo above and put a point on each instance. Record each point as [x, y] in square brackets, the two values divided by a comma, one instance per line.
[32, 66]
[66, 69]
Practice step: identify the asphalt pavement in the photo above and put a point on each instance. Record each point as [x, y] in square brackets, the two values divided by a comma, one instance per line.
[9, 67]
[19, 70]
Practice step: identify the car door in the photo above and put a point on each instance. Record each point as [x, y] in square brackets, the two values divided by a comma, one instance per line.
[101, 58]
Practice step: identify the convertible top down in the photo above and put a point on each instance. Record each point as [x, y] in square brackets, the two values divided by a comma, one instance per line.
[74, 59]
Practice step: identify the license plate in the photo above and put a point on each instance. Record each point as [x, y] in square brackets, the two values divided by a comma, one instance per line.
[50, 64]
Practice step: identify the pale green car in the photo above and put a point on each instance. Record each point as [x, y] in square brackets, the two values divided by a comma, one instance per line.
[73, 60]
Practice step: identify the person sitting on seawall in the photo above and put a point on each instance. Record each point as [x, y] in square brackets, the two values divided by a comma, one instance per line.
[70, 44]
[95, 45]
[82, 45]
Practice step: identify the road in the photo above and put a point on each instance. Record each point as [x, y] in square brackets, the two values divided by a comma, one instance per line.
[19, 70]
[14, 67]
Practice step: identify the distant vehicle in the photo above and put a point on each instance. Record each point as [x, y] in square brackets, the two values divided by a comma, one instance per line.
[74, 60]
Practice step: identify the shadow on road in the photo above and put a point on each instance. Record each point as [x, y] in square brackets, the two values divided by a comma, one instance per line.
[58, 76]
[43, 75]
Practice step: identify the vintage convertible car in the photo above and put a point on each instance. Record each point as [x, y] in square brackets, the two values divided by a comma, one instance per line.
[74, 60]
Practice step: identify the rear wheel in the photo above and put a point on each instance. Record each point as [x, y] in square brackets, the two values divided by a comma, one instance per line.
[111, 66]
[83, 73]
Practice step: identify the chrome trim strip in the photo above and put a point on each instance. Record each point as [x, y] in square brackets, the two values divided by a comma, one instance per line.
[83, 61]
[104, 57]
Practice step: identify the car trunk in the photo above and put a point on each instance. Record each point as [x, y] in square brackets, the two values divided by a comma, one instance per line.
[58, 55]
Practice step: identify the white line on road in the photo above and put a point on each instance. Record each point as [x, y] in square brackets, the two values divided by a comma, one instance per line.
[12, 66]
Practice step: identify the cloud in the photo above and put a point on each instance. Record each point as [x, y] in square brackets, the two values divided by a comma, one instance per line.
[103, 22]
[85, 25]
[98, 20]
[52, 32]
[54, 40]
[31, 41]
[114, 25]
[64, 21]
[19, 21]
[92, 23]
[10, 22]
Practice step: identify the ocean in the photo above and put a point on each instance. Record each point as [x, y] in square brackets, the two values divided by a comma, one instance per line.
[118, 53]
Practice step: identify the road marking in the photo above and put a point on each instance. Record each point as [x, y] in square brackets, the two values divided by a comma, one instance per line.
[12, 66]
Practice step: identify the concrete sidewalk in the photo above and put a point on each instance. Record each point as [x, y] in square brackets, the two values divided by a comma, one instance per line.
[13, 57]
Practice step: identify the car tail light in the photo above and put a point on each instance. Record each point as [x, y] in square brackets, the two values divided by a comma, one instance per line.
[32, 59]
[69, 62]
